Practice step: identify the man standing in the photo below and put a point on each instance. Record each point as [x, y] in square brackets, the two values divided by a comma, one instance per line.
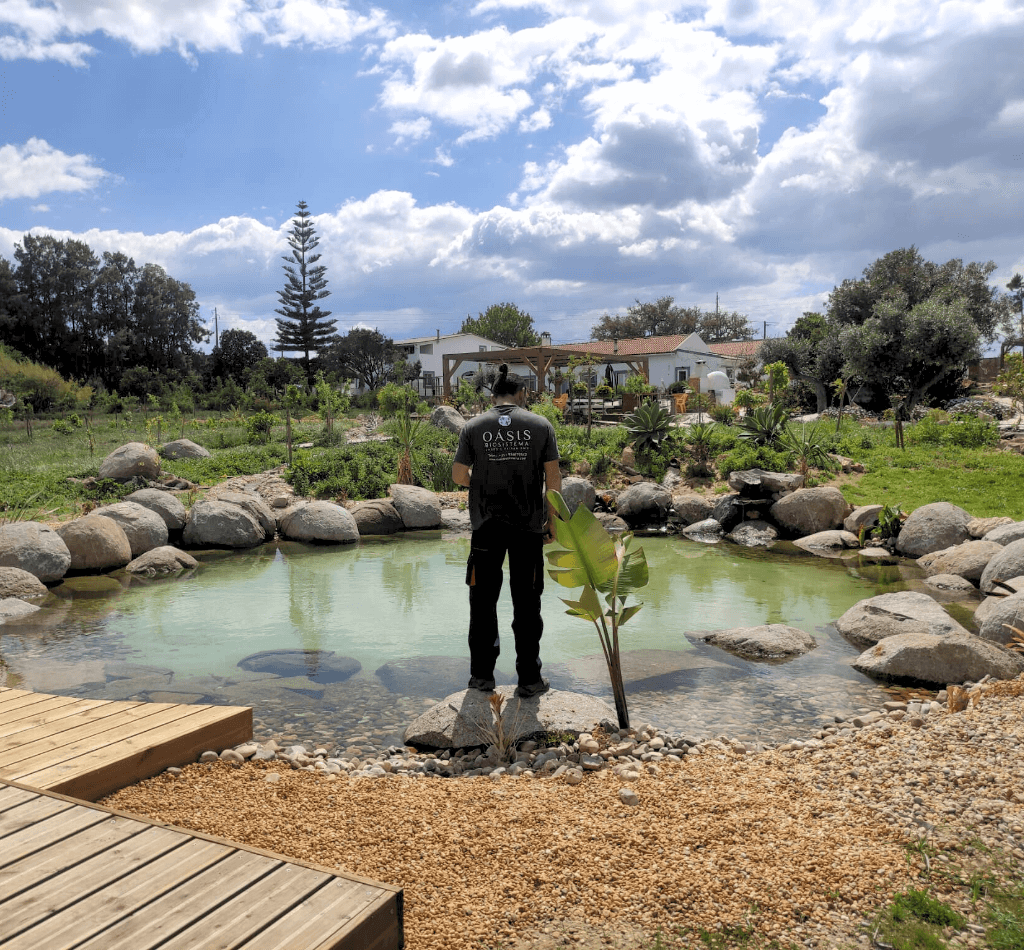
[506, 457]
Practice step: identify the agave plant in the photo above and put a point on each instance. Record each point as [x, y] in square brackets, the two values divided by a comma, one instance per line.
[647, 427]
[764, 426]
[591, 558]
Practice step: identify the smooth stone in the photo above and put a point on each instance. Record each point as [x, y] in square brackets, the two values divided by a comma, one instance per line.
[707, 531]
[753, 534]
[418, 507]
[448, 418]
[1007, 533]
[863, 516]
[773, 640]
[166, 505]
[320, 521]
[132, 460]
[578, 491]
[1006, 564]
[967, 560]
[831, 542]
[144, 528]
[183, 449]
[938, 659]
[643, 503]
[96, 543]
[979, 527]
[950, 582]
[320, 666]
[250, 502]
[810, 510]
[999, 617]
[162, 560]
[689, 507]
[628, 797]
[933, 527]
[376, 516]
[887, 615]
[35, 548]
[15, 582]
[430, 676]
[221, 524]
[11, 608]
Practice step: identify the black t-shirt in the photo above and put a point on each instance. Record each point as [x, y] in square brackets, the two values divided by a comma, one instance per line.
[506, 447]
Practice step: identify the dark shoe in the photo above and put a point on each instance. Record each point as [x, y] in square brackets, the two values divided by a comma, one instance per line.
[532, 689]
[481, 685]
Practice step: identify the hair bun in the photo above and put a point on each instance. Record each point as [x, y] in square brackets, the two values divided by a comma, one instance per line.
[503, 369]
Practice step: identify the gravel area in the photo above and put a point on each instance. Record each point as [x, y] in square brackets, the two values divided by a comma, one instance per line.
[801, 843]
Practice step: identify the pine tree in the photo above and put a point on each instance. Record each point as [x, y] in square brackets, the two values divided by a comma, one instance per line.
[305, 326]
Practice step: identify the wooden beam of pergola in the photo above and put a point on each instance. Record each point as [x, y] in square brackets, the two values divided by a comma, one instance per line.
[540, 359]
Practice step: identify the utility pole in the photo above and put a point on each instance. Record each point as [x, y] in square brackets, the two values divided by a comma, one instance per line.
[216, 331]
[764, 330]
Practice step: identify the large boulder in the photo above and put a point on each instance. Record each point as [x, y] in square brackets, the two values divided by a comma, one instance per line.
[1006, 564]
[809, 510]
[729, 511]
[690, 507]
[35, 548]
[463, 720]
[166, 505]
[447, 418]
[14, 582]
[96, 544]
[757, 483]
[643, 503]
[933, 527]
[754, 534]
[979, 527]
[144, 528]
[967, 560]
[377, 516]
[889, 615]
[321, 666]
[419, 507]
[220, 524]
[322, 521]
[162, 560]
[707, 531]
[828, 543]
[133, 460]
[1006, 533]
[768, 641]
[938, 659]
[11, 608]
[183, 449]
[863, 516]
[999, 616]
[578, 491]
[251, 503]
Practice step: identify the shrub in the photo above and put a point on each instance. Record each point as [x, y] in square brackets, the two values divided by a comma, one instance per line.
[747, 456]
[394, 399]
[258, 427]
[62, 426]
[764, 426]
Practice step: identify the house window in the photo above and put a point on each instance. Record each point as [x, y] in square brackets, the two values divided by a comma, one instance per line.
[682, 374]
[620, 377]
[427, 348]
[484, 348]
[731, 373]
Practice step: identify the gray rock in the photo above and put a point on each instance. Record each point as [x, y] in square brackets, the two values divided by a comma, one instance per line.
[810, 510]
[133, 460]
[691, 507]
[447, 418]
[828, 542]
[754, 534]
[967, 560]
[430, 676]
[628, 797]
[979, 527]
[144, 528]
[96, 543]
[321, 521]
[419, 507]
[707, 531]
[781, 481]
[183, 449]
[252, 504]
[932, 528]
[863, 516]
[999, 616]
[949, 582]
[465, 719]
[221, 524]
[34, 548]
[888, 615]
[938, 659]
[610, 522]
[1006, 564]
[166, 505]
[162, 560]
[321, 666]
[377, 516]
[757, 483]
[644, 503]
[728, 511]
[1007, 533]
[877, 555]
[14, 582]
[767, 641]
[11, 608]
[578, 491]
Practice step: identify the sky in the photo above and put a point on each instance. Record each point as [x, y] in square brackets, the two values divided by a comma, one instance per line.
[570, 156]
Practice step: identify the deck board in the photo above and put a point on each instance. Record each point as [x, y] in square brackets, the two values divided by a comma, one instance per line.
[74, 874]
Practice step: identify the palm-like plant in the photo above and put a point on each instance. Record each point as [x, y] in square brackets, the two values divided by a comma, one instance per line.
[764, 426]
[647, 427]
[589, 557]
[406, 432]
[700, 438]
[805, 446]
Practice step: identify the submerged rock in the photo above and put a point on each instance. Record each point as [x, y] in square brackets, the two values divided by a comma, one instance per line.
[771, 640]
[321, 666]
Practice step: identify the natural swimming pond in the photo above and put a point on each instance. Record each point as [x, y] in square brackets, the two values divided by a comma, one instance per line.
[399, 606]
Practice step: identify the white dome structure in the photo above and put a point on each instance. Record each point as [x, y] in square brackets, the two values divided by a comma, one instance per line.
[718, 382]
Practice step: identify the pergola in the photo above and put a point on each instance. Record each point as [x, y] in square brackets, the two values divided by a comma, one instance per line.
[541, 359]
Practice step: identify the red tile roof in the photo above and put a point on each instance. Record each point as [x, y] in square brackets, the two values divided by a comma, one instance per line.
[638, 346]
[736, 348]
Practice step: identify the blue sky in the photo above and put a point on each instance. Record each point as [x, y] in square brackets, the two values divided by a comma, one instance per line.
[568, 155]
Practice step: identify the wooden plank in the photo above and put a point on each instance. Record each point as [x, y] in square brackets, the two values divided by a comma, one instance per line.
[109, 905]
[27, 814]
[76, 886]
[42, 833]
[12, 704]
[11, 797]
[51, 721]
[84, 736]
[16, 709]
[245, 917]
[9, 694]
[150, 925]
[380, 929]
[100, 772]
[59, 855]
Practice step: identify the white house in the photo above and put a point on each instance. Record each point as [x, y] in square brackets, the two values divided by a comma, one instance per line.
[431, 350]
[670, 359]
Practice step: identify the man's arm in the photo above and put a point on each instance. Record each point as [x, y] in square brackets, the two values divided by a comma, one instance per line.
[460, 474]
[552, 482]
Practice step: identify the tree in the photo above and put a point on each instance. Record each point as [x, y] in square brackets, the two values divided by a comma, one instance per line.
[816, 364]
[1013, 326]
[504, 323]
[304, 327]
[236, 354]
[663, 318]
[366, 355]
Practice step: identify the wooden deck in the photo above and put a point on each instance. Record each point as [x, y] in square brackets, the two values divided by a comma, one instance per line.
[75, 875]
[89, 748]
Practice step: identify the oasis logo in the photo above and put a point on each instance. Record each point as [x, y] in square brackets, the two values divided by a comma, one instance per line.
[516, 435]
[504, 420]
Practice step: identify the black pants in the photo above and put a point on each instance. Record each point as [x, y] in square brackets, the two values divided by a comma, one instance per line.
[526, 581]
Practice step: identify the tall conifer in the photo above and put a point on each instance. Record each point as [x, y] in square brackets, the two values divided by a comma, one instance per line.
[305, 327]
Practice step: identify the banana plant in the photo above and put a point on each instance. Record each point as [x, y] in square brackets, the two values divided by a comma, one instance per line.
[588, 556]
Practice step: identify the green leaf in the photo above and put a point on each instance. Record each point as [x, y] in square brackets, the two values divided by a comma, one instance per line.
[626, 613]
[588, 552]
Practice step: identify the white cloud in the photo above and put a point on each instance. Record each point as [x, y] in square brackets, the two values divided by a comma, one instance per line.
[36, 168]
[541, 119]
[413, 129]
[40, 209]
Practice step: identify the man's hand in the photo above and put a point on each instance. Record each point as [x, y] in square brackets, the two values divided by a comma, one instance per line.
[460, 474]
